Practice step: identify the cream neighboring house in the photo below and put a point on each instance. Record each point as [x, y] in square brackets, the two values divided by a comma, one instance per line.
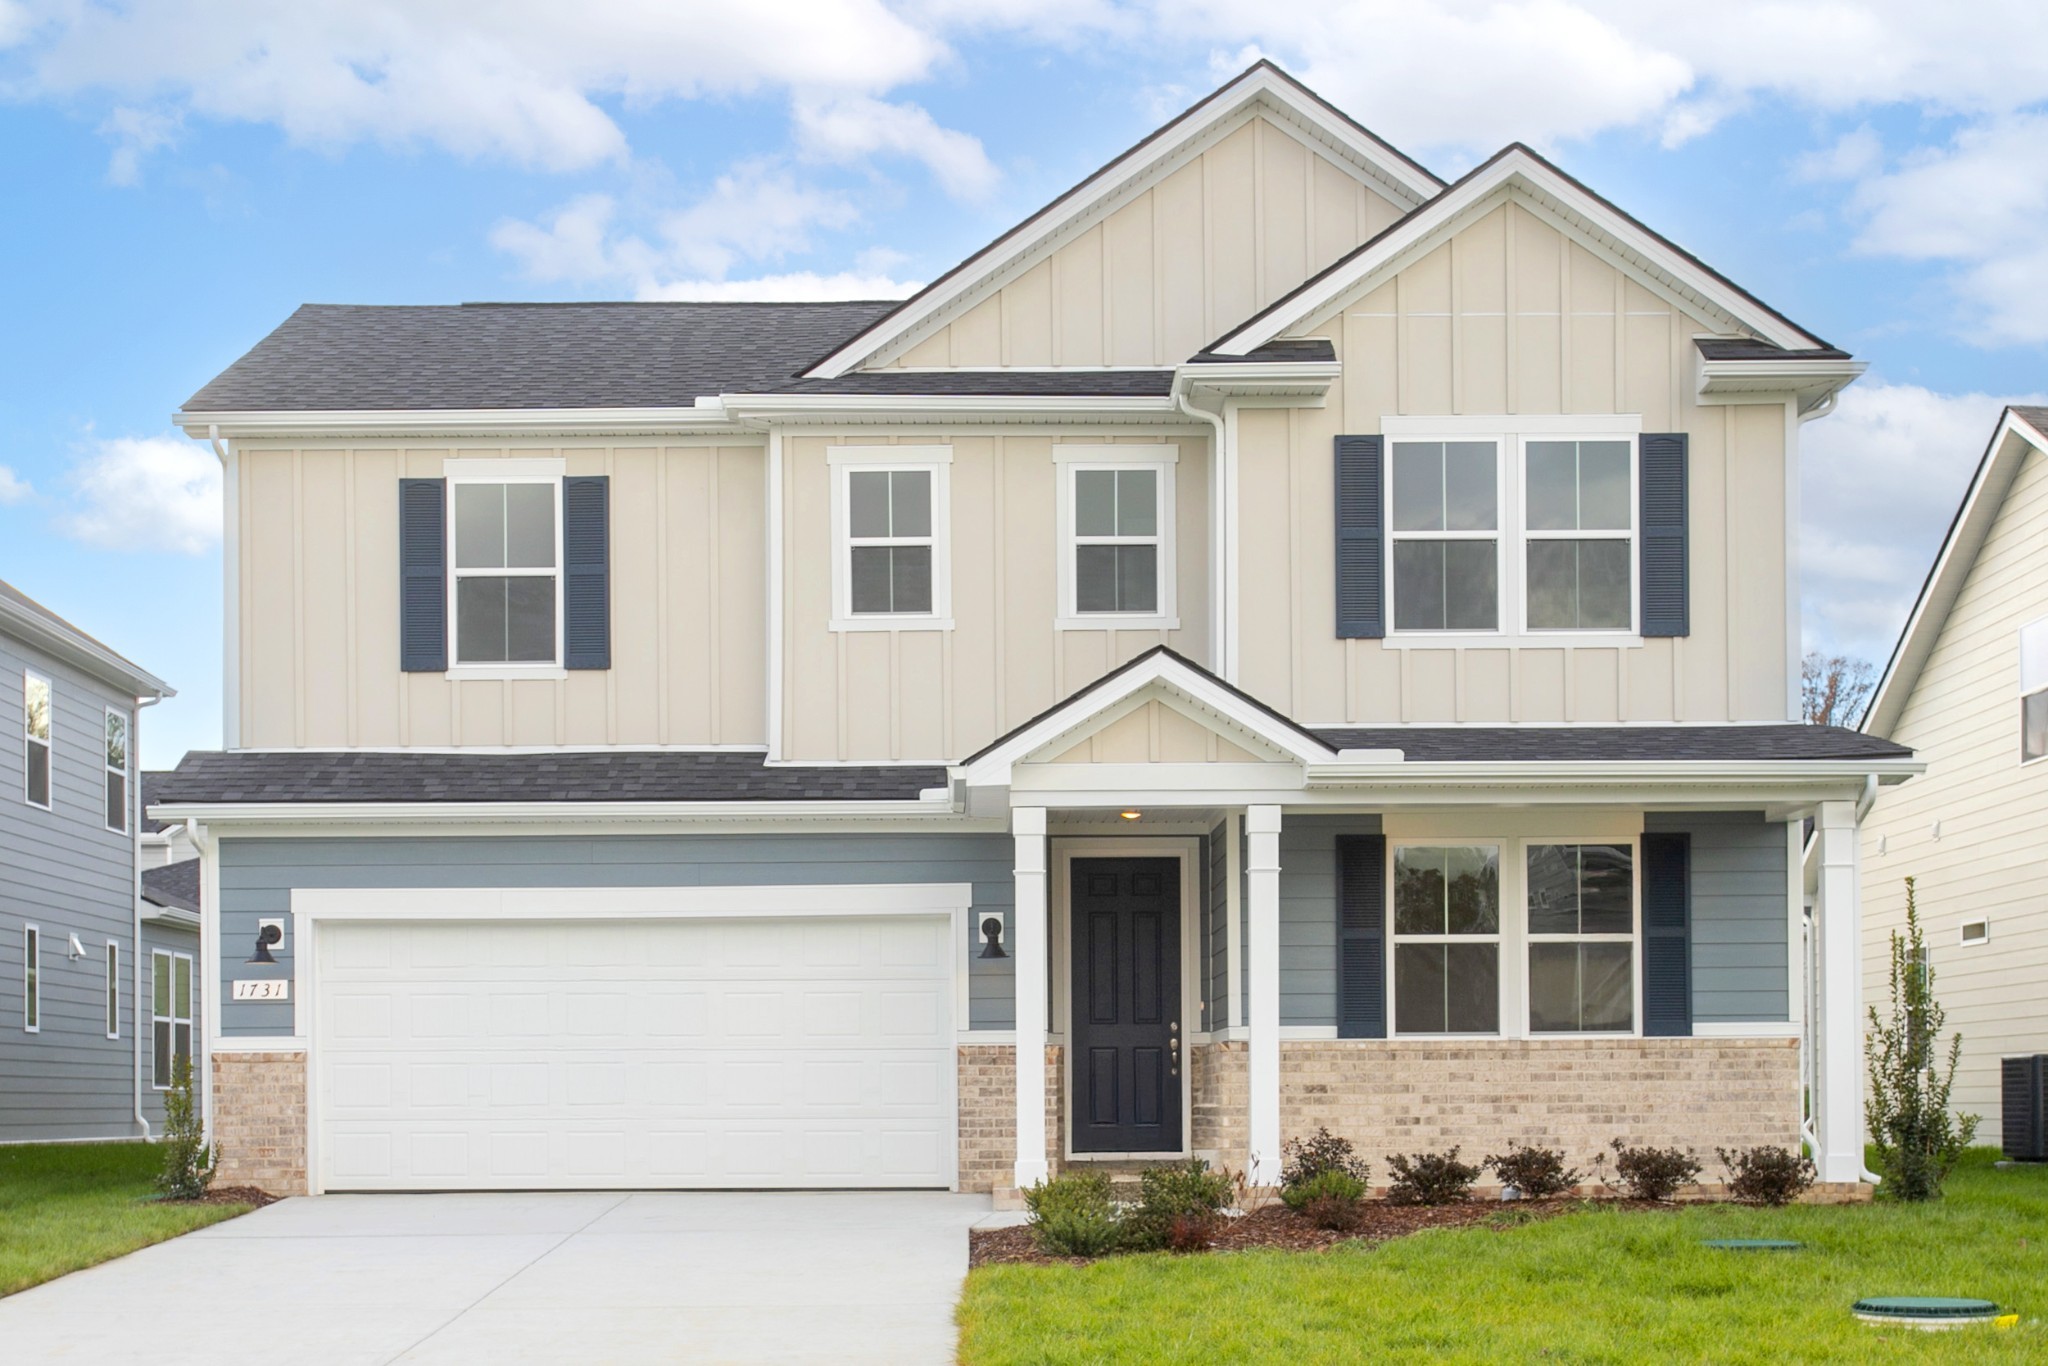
[1967, 689]
[1273, 640]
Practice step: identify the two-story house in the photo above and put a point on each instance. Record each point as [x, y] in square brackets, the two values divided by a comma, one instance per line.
[98, 987]
[1275, 639]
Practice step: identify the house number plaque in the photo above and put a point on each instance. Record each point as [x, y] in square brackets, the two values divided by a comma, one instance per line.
[265, 989]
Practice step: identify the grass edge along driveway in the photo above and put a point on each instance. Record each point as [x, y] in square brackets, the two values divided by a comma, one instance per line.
[1600, 1285]
[67, 1206]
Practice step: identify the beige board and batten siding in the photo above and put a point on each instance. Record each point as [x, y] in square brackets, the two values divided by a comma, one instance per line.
[1162, 275]
[1510, 316]
[317, 538]
[1990, 858]
[936, 695]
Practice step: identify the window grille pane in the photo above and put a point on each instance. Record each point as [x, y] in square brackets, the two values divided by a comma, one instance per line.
[1606, 889]
[39, 774]
[2034, 726]
[505, 621]
[1579, 585]
[1418, 486]
[1604, 486]
[1419, 890]
[530, 620]
[1472, 988]
[1553, 486]
[1419, 585]
[1095, 578]
[910, 503]
[2034, 656]
[117, 801]
[867, 503]
[181, 988]
[1137, 503]
[36, 711]
[1575, 988]
[1472, 891]
[1419, 988]
[1095, 503]
[1471, 586]
[1471, 479]
[1553, 889]
[181, 1044]
[870, 580]
[1137, 578]
[529, 526]
[1553, 987]
[910, 578]
[480, 526]
[160, 1055]
[117, 741]
[160, 974]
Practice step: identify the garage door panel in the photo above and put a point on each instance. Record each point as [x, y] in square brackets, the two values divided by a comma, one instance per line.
[685, 1053]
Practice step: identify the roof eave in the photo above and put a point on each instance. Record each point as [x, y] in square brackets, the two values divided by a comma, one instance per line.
[1810, 383]
[82, 652]
[248, 425]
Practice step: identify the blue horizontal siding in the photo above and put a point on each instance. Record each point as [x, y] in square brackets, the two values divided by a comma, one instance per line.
[1741, 925]
[1308, 914]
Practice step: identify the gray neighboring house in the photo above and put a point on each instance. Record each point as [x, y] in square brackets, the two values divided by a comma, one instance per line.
[97, 991]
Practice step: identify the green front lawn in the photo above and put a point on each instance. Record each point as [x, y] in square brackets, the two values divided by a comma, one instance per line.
[1600, 1285]
[64, 1206]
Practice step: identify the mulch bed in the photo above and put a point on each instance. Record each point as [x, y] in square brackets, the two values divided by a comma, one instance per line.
[230, 1195]
[1277, 1227]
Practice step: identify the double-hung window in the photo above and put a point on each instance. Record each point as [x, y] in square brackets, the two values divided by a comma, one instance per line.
[1446, 535]
[1116, 536]
[890, 517]
[35, 714]
[2034, 691]
[117, 771]
[1579, 522]
[31, 978]
[170, 1015]
[1582, 925]
[1447, 940]
[506, 588]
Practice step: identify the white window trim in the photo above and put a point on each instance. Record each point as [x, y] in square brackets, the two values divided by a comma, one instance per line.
[1069, 460]
[1511, 436]
[2026, 692]
[1963, 932]
[113, 961]
[190, 1019]
[842, 461]
[1514, 937]
[125, 774]
[49, 743]
[457, 473]
[1499, 938]
[31, 979]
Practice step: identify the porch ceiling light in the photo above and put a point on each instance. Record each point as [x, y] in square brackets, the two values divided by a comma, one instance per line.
[1130, 815]
[268, 935]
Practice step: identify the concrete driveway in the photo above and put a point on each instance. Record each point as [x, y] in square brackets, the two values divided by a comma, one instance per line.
[560, 1277]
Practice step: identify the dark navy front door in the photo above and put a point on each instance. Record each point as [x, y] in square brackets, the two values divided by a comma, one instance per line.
[1127, 1028]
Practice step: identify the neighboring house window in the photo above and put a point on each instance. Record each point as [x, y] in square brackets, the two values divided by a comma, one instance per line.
[1447, 939]
[890, 519]
[36, 729]
[506, 587]
[2034, 690]
[1116, 535]
[113, 990]
[117, 771]
[1582, 922]
[1579, 517]
[31, 978]
[171, 1015]
[1446, 535]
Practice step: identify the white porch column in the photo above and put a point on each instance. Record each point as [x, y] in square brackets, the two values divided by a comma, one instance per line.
[1838, 1023]
[1262, 864]
[1028, 949]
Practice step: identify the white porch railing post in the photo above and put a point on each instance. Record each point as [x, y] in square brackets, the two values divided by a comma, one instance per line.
[1262, 864]
[1838, 1028]
[1028, 949]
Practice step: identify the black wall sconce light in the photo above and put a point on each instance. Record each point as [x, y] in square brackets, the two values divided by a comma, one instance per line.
[265, 937]
[992, 931]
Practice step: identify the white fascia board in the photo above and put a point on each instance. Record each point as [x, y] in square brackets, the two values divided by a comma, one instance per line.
[80, 651]
[1303, 384]
[993, 768]
[1261, 87]
[760, 409]
[705, 417]
[1767, 773]
[1996, 470]
[1810, 382]
[222, 814]
[1444, 215]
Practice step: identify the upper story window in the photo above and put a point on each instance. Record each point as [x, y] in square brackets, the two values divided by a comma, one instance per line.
[1116, 536]
[117, 771]
[35, 713]
[2034, 691]
[506, 587]
[1506, 527]
[891, 519]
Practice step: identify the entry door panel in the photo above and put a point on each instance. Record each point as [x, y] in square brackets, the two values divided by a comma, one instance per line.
[1125, 998]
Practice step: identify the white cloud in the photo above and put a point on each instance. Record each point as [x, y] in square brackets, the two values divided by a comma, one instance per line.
[13, 488]
[1851, 157]
[1880, 479]
[853, 127]
[135, 134]
[781, 288]
[146, 493]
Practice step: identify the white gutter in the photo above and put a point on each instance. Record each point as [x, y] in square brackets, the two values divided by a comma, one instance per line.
[705, 415]
[1223, 507]
[1490, 773]
[939, 806]
[135, 853]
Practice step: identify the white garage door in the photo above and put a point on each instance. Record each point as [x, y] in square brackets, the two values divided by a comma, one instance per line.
[812, 1051]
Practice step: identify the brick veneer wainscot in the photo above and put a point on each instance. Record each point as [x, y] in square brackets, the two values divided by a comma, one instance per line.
[988, 1115]
[259, 1120]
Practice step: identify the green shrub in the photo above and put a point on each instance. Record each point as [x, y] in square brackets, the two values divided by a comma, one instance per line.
[188, 1159]
[1767, 1175]
[1323, 1151]
[1429, 1179]
[1535, 1172]
[1332, 1199]
[1654, 1173]
[1179, 1207]
[1073, 1215]
[1915, 1139]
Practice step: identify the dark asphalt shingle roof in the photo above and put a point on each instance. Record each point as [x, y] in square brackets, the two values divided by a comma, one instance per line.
[152, 783]
[1616, 744]
[573, 776]
[1278, 350]
[337, 357]
[1749, 348]
[175, 885]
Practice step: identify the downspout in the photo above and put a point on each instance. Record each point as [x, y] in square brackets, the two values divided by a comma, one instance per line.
[1219, 529]
[135, 942]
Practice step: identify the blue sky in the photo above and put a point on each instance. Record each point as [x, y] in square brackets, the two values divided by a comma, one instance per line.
[185, 173]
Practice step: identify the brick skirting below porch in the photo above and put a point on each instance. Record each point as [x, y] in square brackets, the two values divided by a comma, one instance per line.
[259, 1120]
[988, 1115]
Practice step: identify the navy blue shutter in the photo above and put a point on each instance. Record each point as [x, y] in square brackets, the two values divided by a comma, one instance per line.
[423, 575]
[1361, 936]
[1361, 538]
[1661, 488]
[1667, 935]
[586, 572]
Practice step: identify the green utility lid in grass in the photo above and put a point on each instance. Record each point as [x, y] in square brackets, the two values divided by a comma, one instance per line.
[1752, 1244]
[1924, 1311]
